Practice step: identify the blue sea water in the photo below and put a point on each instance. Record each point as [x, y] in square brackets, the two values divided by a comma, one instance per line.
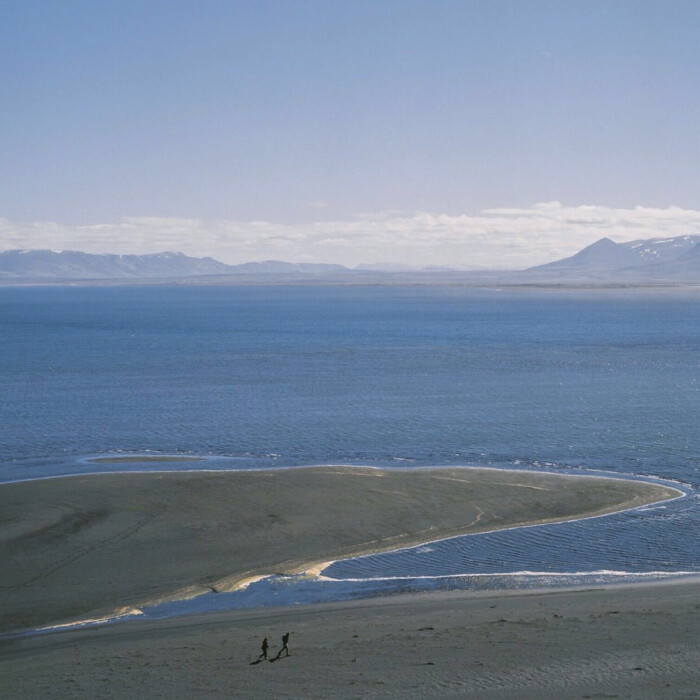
[571, 381]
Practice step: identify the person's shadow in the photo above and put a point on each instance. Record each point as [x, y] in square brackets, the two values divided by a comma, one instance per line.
[257, 661]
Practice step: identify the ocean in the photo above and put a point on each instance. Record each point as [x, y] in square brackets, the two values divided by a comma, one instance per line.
[575, 381]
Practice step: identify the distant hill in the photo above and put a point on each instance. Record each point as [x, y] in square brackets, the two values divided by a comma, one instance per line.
[277, 267]
[654, 259]
[601, 255]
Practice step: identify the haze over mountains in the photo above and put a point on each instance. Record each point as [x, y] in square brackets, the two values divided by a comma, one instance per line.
[656, 261]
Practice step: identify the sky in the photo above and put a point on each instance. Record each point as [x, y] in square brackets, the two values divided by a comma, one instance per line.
[468, 133]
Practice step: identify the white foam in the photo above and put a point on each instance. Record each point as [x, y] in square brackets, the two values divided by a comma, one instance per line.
[513, 574]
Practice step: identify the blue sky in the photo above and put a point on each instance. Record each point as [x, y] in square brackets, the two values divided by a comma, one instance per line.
[234, 128]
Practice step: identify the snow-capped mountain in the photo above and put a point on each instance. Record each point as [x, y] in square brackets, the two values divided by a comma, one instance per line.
[607, 255]
[73, 265]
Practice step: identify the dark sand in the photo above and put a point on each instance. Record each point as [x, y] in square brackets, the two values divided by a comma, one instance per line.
[87, 546]
[629, 642]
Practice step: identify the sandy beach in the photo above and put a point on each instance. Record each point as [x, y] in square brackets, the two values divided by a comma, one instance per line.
[620, 642]
[87, 546]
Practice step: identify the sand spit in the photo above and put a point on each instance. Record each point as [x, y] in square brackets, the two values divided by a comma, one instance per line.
[629, 642]
[90, 546]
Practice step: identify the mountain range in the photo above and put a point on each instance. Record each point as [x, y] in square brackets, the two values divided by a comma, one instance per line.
[68, 265]
[656, 261]
[74, 265]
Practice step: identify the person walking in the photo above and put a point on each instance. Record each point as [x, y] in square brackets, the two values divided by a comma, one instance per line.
[263, 648]
[285, 644]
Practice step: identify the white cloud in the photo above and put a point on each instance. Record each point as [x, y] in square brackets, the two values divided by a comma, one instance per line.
[500, 238]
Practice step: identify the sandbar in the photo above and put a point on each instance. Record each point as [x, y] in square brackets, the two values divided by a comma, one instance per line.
[88, 546]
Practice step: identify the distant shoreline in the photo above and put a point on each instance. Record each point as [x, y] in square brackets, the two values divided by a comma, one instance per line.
[461, 281]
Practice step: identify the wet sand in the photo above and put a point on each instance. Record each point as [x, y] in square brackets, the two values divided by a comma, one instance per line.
[88, 546]
[623, 642]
